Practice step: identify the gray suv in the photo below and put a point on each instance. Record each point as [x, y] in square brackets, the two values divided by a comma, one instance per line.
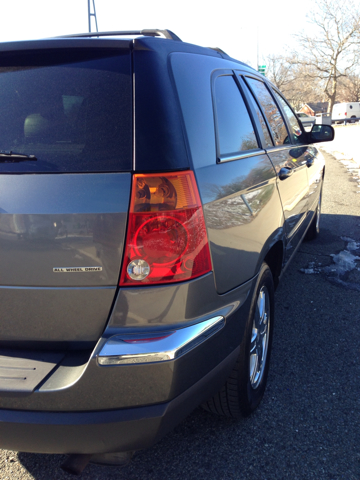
[152, 194]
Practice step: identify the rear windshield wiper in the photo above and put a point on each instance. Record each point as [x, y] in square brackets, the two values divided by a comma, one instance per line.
[16, 157]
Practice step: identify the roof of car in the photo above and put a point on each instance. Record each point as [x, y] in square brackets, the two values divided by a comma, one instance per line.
[151, 39]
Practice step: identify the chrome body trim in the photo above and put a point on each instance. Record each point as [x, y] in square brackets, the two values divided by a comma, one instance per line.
[165, 346]
[278, 148]
[230, 158]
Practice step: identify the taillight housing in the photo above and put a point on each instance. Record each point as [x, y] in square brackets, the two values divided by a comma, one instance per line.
[166, 236]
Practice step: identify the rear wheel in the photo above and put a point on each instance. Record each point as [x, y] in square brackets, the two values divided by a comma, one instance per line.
[246, 384]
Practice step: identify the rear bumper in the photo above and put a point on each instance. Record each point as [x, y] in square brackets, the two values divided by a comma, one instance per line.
[106, 431]
[98, 402]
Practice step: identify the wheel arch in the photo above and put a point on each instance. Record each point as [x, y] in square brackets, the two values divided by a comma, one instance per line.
[274, 258]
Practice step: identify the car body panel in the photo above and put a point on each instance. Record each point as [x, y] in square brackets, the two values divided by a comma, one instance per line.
[238, 210]
[78, 220]
[227, 189]
[48, 224]
[106, 431]
[294, 191]
[80, 383]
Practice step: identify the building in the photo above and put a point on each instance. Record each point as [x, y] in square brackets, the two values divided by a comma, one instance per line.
[312, 108]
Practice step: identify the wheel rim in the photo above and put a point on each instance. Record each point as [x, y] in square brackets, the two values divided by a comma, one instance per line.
[260, 337]
[318, 213]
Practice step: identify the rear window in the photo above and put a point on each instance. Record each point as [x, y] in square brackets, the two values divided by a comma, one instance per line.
[71, 109]
[235, 130]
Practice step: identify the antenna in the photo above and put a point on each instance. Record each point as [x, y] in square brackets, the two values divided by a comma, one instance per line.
[92, 14]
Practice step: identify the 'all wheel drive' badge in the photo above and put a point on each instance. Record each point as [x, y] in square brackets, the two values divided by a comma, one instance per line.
[76, 269]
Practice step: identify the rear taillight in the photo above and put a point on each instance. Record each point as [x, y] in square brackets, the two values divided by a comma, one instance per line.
[166, 238]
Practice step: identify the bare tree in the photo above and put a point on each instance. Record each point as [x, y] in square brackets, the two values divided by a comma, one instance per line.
[280, 71]
[293, 79]
[349, 88]
[331, 51]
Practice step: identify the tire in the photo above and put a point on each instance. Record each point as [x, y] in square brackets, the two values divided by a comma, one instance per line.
[314, 228]
[245, 386]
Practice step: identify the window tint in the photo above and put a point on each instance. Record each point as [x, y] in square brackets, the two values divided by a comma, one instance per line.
[235, 129]
[71, 109]
[264, 127]
[272, 112]
[296, 131]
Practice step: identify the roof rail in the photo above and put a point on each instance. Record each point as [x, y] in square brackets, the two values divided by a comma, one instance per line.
[219, 50]
[146, 32]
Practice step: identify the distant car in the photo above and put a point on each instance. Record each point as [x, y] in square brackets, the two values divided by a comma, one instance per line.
[305, 119]
[346, 111]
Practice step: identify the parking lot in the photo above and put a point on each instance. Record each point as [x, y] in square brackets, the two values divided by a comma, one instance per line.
[308, 424]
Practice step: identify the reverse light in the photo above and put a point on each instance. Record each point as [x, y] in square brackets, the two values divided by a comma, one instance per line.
[166, 238]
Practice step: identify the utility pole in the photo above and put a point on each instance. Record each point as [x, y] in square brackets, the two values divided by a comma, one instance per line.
[92, 13]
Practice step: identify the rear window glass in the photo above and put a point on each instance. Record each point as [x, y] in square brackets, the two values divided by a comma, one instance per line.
[235, 130]
[268, 141]
[72, 110]
[296, 132]
[271, 111]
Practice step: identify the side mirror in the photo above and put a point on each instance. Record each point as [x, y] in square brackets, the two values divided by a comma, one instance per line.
[321, 133]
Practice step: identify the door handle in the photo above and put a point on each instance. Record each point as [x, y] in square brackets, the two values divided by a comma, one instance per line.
[285, 173]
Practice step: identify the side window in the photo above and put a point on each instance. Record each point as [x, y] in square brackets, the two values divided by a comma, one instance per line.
[235, 129]
[272, 112]
[296, 131]
[264, 127]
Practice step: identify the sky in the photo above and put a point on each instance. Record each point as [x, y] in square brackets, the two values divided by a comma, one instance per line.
[234, 26]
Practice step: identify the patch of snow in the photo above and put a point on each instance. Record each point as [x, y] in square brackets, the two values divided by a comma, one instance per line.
[344, 262]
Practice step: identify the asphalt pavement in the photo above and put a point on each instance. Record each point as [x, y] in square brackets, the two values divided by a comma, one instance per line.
[308, 424]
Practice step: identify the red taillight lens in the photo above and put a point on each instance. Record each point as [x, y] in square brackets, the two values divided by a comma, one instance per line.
[166, 238]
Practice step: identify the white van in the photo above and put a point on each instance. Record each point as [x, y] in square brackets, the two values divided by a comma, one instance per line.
[344, 111]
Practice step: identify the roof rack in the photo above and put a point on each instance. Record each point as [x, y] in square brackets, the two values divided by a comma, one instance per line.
[146, 32]
[219, 50]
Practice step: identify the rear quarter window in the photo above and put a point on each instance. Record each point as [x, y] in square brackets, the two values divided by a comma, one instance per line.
[71, 109]
[271, 110]
[234, 127]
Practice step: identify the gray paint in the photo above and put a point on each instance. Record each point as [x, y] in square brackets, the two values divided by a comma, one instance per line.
[115, 430]
[237, 233]
[242, 211]
[196, 103]
[81, 384]
[53, 314]
[173, 305]
[242, 227]
[53, 221]
[21, 372]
